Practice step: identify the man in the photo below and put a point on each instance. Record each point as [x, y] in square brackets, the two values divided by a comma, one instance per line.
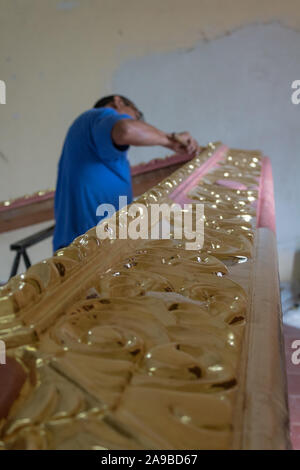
[93, 168]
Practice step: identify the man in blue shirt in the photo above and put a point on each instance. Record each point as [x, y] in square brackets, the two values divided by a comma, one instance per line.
[94, 169]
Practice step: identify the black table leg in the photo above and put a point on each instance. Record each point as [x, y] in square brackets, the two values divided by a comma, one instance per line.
[15, 265]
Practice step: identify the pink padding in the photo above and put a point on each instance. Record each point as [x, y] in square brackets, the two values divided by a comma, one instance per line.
[232, 184]
[25, 201]
[158, 163]
[179, 195]
[266, 204]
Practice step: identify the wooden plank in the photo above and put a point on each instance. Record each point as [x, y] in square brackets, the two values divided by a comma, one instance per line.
[39, 207]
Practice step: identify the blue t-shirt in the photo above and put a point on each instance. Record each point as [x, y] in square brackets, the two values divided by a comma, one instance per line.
[91, 171]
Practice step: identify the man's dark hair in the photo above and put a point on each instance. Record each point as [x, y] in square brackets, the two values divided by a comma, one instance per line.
[108, 99]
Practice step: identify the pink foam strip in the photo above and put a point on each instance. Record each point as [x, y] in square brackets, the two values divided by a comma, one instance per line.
[179, 194]
[232, 184]
[159, 163]
[266, 204]
[25, 201]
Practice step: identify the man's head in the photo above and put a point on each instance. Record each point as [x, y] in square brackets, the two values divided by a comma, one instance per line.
[121, 104]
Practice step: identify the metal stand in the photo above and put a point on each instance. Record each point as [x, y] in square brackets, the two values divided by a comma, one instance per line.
[21, 246]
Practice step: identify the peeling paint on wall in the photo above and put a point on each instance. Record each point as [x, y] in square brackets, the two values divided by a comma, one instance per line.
[236, 88]
[67, 6]
[3, 157]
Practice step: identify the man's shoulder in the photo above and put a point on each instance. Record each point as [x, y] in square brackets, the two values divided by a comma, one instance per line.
[95, 114]
[101, 112]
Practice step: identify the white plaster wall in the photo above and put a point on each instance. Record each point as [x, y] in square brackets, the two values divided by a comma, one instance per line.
[216, 67]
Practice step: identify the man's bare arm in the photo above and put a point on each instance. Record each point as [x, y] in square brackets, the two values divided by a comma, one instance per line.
[138, 133]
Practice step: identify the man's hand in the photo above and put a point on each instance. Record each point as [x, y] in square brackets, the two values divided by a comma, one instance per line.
[183, 142]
